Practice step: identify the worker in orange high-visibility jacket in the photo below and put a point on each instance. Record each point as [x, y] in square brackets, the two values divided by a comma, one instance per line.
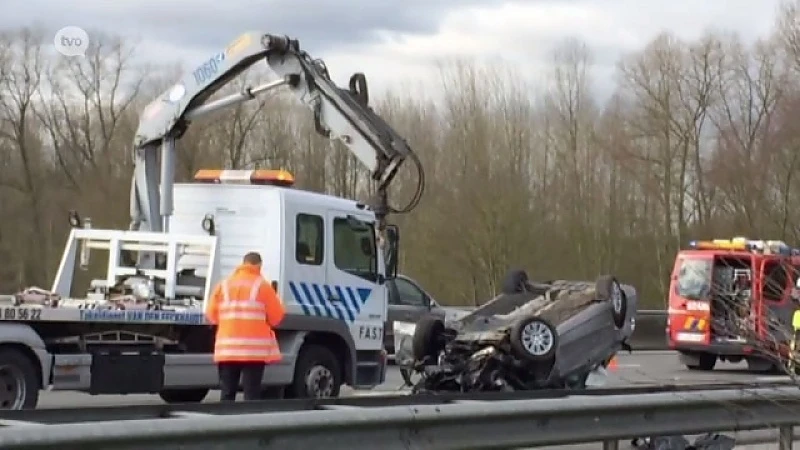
[245, 309]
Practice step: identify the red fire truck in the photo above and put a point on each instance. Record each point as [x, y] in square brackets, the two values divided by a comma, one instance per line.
[733, 300]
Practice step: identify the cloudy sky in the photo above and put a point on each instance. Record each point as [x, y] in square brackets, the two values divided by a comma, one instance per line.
[397, 42]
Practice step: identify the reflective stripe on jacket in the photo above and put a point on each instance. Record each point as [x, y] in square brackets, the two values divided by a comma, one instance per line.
[245, 308]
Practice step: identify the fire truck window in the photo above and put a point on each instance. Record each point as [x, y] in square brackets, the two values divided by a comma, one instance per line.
[775, 278]
[694, 279]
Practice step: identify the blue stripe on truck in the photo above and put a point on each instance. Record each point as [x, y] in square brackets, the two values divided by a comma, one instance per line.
[313, 299]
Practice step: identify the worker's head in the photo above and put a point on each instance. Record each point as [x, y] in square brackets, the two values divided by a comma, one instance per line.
[253, 259]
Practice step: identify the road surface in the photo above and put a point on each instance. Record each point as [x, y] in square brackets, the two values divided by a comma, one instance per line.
[632, 369]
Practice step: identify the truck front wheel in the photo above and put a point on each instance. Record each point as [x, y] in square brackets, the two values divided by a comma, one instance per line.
[19, 383]
[317, 374]
[183, 395]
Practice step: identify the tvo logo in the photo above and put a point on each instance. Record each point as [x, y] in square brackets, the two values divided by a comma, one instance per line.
[71, 41]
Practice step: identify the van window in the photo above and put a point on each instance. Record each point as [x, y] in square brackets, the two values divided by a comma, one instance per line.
[354, 249]
[310, 244]
[775, 281]
[694, 279]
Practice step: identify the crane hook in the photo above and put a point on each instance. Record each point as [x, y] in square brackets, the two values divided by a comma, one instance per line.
[358, 88]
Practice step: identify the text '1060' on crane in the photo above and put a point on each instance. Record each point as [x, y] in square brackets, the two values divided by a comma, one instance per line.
[341, 114]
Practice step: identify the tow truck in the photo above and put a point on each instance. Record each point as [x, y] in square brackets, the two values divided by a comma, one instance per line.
[733, 300]
[140, 328]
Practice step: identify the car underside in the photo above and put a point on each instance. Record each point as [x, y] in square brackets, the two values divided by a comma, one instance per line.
[531, 336]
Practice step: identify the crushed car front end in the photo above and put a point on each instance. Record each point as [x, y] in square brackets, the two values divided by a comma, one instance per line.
[542, 335]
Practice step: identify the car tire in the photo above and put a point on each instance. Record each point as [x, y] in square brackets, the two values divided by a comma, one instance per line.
[427, 341]
[515, 282]
[317, 374]
[610, 290]
[19, 379]
[534, 339]
[183, 395]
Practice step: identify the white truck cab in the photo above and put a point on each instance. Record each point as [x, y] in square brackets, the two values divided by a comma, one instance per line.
[319, 252]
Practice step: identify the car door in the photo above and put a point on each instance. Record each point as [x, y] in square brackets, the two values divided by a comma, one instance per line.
[407, 303]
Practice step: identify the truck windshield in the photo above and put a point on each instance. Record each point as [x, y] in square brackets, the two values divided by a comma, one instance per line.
[694, 279]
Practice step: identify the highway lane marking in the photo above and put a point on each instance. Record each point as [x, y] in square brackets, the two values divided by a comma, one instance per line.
[774, 378]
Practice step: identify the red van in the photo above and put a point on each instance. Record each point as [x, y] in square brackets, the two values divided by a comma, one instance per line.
[733, 300]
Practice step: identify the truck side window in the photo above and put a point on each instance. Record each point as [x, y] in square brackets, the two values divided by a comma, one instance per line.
[310, 235]
[354, 250]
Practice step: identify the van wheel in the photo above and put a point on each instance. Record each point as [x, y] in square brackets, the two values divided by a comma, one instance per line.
[183, 395]
[704, 362]
[317, 374]
[19, 381]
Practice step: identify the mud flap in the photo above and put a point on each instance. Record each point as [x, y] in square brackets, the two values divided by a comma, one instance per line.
[627, 347]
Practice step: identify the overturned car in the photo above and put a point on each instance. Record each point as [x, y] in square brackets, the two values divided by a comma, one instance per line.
[532, 336]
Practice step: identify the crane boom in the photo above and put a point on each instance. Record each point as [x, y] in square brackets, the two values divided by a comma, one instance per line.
[341, 114]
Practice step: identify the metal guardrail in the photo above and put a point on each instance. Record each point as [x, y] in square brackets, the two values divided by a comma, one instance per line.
[460, 424]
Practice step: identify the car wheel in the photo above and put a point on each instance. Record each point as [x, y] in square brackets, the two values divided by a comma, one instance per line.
[183, 395]
[428, 338]
[609, 289]
[317, 374]
[534, 339]
[19, 381]
[515, 281]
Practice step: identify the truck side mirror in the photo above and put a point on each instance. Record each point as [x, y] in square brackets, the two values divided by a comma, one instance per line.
[392, 234]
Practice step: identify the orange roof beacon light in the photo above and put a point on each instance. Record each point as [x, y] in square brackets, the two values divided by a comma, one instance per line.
[259, 176]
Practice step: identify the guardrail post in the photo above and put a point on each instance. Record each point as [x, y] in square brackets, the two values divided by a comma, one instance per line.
[614, 445]
[785, 437]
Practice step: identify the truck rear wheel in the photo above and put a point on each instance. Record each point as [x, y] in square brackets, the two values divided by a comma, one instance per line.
[183, 395]
[317, 374]
[19, 382]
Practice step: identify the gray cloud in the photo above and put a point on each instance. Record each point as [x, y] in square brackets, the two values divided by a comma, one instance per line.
[321, 25]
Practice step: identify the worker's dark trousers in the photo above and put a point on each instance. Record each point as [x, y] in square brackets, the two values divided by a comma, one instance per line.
[250, 374]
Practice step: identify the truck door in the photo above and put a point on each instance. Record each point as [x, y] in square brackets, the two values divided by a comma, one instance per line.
[305, 269]
[353, 274]
[775, 307]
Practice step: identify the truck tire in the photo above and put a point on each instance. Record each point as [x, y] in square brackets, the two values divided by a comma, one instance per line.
[317, 374]
[183, 395]
[19, 380]
[705, 362]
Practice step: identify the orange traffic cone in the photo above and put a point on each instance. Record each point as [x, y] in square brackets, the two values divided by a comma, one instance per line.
[612, 365]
